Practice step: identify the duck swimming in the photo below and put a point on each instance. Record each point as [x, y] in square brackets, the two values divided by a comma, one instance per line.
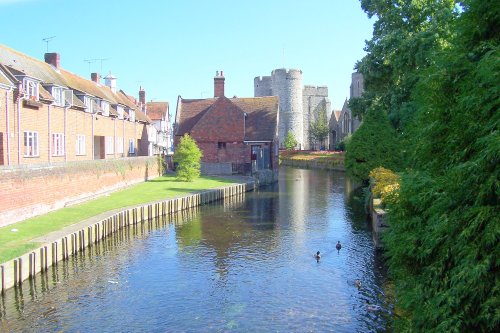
[338, 246]
[317, 255]
[357, 283]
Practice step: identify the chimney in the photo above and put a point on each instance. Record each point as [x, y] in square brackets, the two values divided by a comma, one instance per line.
[53, 59]
[110, 81]
[142, 96]
[219, 84]
[95, 77]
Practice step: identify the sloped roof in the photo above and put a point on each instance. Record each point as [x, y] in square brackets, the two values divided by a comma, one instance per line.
[21, 64]
[6, 77]
[260, 125]
[157, 110]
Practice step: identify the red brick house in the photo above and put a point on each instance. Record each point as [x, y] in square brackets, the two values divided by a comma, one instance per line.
[50, 115]
[236, 135]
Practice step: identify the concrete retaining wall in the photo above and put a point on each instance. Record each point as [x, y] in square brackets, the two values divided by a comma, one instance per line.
[15, 271]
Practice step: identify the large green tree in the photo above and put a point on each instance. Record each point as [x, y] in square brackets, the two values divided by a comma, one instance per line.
[319, 129]
[404, 36]
[373, 145]
[443, 242]
[187, 156]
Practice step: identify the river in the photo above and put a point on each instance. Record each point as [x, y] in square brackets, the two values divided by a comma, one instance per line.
[243, 265]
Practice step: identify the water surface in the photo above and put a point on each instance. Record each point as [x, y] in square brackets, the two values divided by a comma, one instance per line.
[245, 265]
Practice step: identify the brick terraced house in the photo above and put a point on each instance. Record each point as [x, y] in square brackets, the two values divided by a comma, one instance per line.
[236, 135]
[50, 115]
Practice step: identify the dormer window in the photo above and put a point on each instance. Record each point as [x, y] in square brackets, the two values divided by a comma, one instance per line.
[30, 88]
[58, 94]
[131, 115]
[87, 100]
[105, 108]
[119, 110]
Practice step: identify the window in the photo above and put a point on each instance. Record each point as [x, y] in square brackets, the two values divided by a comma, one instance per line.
[30, 88]
[105, 108]
[131, 114]
[80, 144]
[131, 149]
[109, 145]
[119, 145]
[221, 145]
[30, 144]
[88, 103]
[119, 109]
[57, 93]
[57, 144]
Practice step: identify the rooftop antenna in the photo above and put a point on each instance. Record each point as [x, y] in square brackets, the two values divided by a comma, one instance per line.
[47, 40]
[91, 61]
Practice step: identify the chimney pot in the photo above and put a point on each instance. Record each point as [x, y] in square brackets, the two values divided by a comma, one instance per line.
[219, 85]
[52, 59]
[142, 96]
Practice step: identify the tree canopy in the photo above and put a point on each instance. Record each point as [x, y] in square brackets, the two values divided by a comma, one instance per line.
[373, 145]
[187, 156]
[433, 67]
[290, 141]
[319, 127]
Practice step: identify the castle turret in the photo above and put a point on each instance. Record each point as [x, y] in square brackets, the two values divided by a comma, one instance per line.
[287, 85]
[262, 86]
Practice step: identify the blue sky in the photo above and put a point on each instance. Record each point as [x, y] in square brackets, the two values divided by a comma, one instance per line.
[174, 48]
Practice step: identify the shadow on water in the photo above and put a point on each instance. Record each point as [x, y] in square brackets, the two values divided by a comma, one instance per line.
[243, 264]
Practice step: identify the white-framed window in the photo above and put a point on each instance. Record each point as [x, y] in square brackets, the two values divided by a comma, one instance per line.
[30, 88]
[110, 145]
[119, 110]
[80, 144]
[105, 108]
[58, 94]
[131, 114]
[87, 100]
[57, 144]
[131, 148]
[30, 144]
[119, 145]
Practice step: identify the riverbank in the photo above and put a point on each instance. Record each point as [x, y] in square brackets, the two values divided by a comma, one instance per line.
[55, 243]
[324, 160]
[17, 239]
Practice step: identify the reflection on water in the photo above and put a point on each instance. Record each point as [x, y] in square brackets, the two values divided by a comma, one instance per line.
[244, 265]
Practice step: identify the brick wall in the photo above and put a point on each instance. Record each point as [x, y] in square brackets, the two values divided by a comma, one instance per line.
[30, 191]
[49, 119]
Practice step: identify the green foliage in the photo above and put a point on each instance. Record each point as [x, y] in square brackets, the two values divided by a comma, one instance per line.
[343, 144]
[443, 242]
[160, 163]
[405, 36]
[290, 141]
[384, 184]
[319, 128]
[188, 156]
[372, 145]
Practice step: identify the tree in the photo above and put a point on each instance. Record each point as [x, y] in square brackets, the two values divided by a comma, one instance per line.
[188, 156]
[319, 129]
[290, 141]
[442, 244]
[373, 145]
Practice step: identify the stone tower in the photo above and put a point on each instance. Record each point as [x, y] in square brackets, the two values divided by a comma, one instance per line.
[287, 85]
[299, 105]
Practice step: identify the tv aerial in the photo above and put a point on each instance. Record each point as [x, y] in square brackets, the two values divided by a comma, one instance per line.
[47, 40]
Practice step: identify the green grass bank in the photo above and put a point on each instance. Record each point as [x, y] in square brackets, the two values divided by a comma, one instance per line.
[17, 242]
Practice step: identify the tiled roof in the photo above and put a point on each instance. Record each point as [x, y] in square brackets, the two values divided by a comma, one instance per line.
[261, 122]
[21, 64]
[157, 110]
[5, 77]
[44, 94]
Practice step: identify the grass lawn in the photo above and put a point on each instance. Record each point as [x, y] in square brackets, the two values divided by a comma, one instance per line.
[14, 244]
